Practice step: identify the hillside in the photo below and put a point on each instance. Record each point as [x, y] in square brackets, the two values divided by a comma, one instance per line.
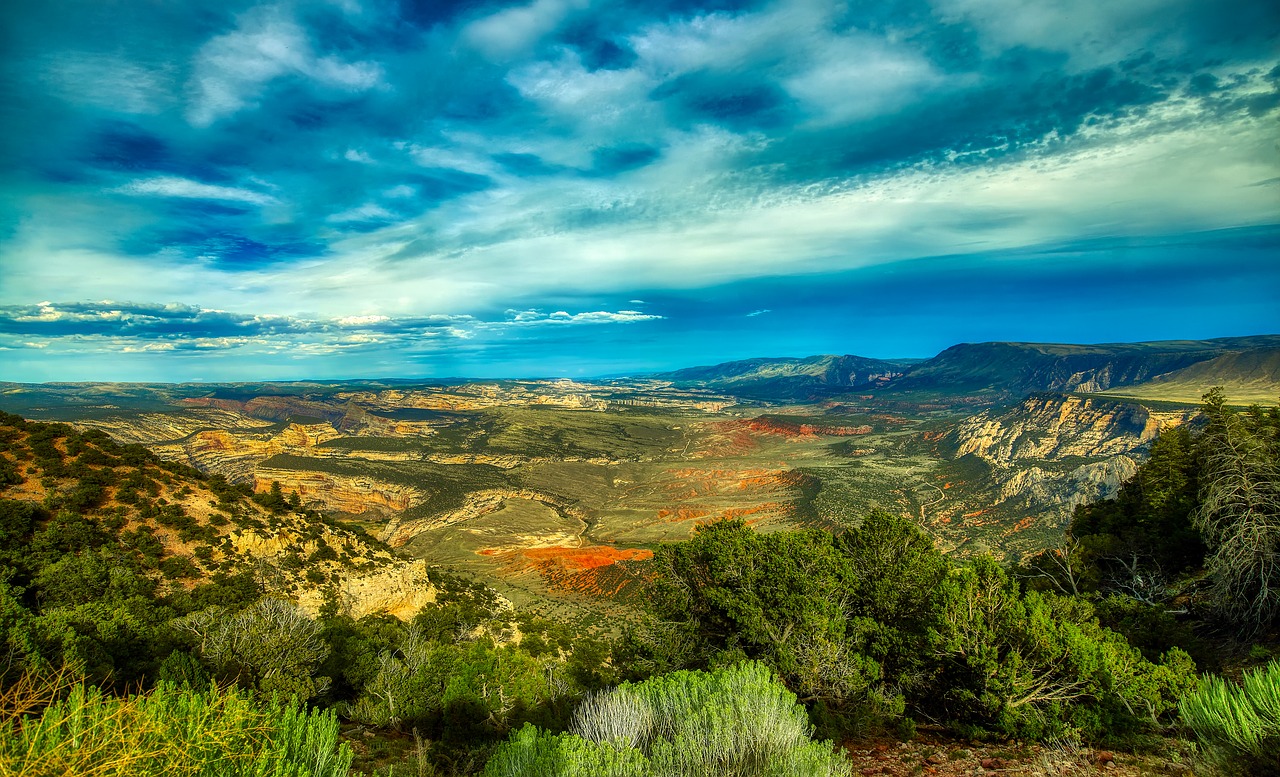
[1016, 369]
[791, 377]
[1246, 376]
[1008, 370]
[185, 528]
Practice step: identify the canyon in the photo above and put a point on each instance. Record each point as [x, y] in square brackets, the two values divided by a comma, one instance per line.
[558, 492]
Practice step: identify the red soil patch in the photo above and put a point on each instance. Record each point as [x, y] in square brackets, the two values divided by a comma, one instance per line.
[792, 430]
[579, 559]
[591, 571]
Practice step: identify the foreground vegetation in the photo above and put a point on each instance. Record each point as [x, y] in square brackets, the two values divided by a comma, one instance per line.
[187, 666]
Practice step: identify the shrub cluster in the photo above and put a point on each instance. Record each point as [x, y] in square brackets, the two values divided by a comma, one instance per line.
[876, 623]
[733, 721]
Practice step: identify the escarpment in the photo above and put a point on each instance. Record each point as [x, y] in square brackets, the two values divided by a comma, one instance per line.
[1054, 428]
[1050, 453]
[331, 492]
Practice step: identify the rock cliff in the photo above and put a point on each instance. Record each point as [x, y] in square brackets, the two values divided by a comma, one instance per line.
[1050, 453]
[337, 493]
[234, 454]
[1054, 427]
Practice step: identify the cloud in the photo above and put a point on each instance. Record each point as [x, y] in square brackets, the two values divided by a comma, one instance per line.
[231, 71]
[362, 320]
[130, 327]
[441, 164]
[759, 312]
[170, 186]
[527, 317]
[514, 30]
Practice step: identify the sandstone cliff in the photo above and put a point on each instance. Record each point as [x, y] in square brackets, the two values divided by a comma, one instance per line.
[1051, 453]
[1052, 427]
[234, 454]
[331, 492]
[400, 530]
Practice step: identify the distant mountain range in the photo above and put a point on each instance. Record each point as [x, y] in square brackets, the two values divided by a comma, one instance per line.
[1176, 370]
[788, 377]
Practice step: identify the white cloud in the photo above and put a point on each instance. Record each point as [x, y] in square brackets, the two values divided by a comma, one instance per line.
[860, 76]
[230, 71]
[513, 31]
[110, 82]
[401, 191]
[761, 312]
[531, 316]
[173, 186]
[354, 155]
[1093, 32]
[362, 320]
[367, 212]
[453, 157]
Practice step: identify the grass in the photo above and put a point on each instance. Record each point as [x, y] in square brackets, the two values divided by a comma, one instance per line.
[59, 727]
[1238, 726]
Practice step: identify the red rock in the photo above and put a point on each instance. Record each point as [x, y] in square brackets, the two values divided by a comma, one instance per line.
[1105, 756]
[993, 763]
[870, 771]
[934, 759]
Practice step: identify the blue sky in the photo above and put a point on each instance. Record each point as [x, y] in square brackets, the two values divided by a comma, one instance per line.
[348, 188]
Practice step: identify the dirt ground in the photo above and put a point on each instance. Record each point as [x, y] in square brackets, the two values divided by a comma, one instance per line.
[928, 755]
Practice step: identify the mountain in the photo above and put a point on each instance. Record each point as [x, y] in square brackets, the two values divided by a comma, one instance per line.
[1009, 370]
[791, 377]
[1245, 376]
[1018, 369]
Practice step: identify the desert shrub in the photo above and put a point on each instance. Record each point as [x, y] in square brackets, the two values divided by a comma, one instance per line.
[733, 721]
[1238, 727]
[9, 475]
[179, 568]
[874, 623]
[459, 692]
[19, 634]
[1036, 664]
[172, 730]
[355, 651]
[271, 645]
[788, 599]
[182, 668]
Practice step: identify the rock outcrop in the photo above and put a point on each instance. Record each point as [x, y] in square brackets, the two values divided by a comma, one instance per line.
[235, 454]
[400, 530]
[331, 492]
[1053, 427]
[1051, 453]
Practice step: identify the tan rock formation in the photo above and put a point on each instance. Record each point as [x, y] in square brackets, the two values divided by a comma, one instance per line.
[399, 531]
[401, 589]
[340, 493]
[1053, 428]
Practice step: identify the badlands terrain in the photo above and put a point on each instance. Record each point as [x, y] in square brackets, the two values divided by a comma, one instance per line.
[556, 492]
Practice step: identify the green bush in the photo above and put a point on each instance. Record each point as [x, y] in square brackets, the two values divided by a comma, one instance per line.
[1238, 726]
[171, 731]
[271, 645]
[1034, 664]
[734, 721]
[465, 692]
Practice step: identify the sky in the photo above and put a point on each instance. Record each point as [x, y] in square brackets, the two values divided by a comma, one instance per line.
[220, 190]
